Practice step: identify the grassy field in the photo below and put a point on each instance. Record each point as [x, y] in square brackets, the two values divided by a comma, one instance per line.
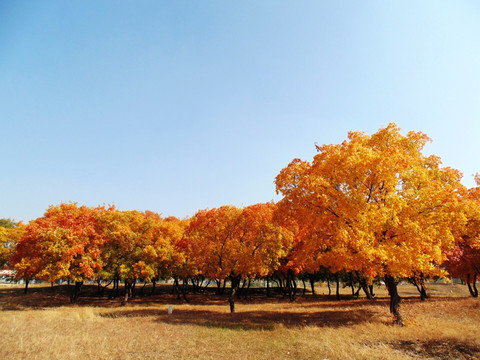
[43, 325]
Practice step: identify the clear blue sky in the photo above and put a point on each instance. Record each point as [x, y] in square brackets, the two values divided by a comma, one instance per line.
[175, 106]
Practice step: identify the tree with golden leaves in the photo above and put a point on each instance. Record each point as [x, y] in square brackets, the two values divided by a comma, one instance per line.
[10, 234]
[377, 205]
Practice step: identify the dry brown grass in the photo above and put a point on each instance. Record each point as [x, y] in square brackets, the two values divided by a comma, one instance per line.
[42, 325]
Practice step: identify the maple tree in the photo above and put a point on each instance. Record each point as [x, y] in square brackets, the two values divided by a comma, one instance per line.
[464, 260]
[63, 244]
[10, 234]
[128, 251]
[213, 243]
[375, 204]
[235, 244]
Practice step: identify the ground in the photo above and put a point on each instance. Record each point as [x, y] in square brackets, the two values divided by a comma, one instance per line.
[43, 325]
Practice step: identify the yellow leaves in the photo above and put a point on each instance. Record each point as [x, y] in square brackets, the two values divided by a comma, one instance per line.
[375, 199]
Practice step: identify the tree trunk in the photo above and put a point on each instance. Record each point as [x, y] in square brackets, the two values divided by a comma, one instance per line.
[420, 285]
[194, 284]
[352, 285]
[473, 287]
[245, 294]
[27, 281]
[280, 286]
[176, 287]
[291, 285]
[76, 291]
[185, 289]
[114, 293]
[101, 288]
[294, 288]
[128, 291]
[395, 299]
[241, 290]
[154, 284]
[329, 288]
[337, 280]
[365, 287]
[268, 287]
[142, 290]
[235, 282]
[357, 292]
[312, 284]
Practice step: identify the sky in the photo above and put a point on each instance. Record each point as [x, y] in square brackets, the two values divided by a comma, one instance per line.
[176, 106]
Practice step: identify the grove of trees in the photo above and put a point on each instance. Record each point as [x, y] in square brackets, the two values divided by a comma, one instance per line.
[373, 208]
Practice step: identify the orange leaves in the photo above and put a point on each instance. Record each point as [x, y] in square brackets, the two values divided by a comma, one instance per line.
[81, 243]
[67, 241]
[237, 242]
[373, 204]
[10, 234]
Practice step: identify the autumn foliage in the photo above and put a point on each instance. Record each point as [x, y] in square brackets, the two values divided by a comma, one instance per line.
[372, 208]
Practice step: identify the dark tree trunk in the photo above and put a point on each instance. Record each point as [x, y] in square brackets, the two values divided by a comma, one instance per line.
[101, 288]
[245, 291]
[142, 290]
[357, 292]
[154, 285]
[312, 283]
[365, 287]
[185, 289]
[472, 288]
[117, 288]
[176, 287]
[352, 284]
[235, 282]
[294, 288]
[132, 289]
[337, 280]
[395, 299]
[114, 293]
[420, 285]
[194, 285]
[76, 291]
[27, 281]
[206, 285]
[329, 287]
[241, 290]
[128, 292]
[223, 287]
[280, 285]
[268, 287]
[291, 286]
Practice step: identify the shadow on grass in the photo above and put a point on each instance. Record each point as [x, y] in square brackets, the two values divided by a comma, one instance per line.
[39, 297]
[252, 320]
[444, 349]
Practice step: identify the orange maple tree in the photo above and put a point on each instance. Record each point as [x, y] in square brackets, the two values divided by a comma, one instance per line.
[235, 244]
[63, 244]
[377, 205]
